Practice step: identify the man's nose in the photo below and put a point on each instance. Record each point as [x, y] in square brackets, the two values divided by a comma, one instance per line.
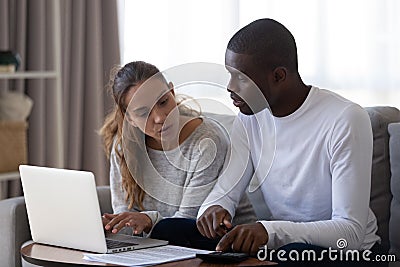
[232, 87]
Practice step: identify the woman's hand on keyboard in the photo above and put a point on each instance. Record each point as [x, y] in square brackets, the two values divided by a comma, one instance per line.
[139, 222]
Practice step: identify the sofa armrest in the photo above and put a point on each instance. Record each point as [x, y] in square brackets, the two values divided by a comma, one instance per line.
[394, 150]
[104, 195]
[14, 230]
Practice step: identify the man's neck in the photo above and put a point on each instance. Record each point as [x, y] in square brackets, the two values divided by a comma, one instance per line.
[291, 100]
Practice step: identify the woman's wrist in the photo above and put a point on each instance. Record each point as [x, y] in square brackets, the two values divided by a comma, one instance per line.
[149, 223]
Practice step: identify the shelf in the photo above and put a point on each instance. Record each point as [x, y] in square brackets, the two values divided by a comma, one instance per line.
[46, 74]
[9, 176]
[28, 75]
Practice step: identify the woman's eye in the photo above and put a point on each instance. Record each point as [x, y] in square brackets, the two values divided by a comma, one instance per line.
[164, 101]
[142, 114]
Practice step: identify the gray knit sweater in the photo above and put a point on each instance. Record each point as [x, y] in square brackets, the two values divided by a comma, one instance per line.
[177, 181]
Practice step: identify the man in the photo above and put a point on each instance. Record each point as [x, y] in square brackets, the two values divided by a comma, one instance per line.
[316, 178]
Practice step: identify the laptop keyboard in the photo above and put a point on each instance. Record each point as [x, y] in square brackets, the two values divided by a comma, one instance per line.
[118, 244]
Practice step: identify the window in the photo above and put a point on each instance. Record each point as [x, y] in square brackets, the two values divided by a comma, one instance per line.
[350, 47]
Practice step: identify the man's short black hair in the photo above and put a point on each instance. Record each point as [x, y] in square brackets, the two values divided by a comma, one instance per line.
[269, 42]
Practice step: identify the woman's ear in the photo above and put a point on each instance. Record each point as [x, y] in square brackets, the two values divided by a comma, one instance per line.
[130, 120]
[171, 88]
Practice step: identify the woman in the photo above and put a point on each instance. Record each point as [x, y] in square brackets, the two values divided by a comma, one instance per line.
[164, 157]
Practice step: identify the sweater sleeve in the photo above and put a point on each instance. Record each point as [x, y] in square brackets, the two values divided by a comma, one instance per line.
[350, 150]
[207, 159]
[231, 184]
[118, 195]
[200, 183]
[117, 192]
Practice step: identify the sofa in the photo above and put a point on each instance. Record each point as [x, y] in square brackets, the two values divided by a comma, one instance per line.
[385, 191]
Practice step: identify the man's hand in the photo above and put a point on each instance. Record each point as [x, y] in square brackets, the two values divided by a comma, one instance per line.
[138, 221]
[244, 238]
[215, 221]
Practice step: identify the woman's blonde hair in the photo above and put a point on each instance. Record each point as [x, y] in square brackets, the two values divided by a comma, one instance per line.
[122, 79]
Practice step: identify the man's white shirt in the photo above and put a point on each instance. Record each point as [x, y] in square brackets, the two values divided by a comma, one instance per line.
[314, 170]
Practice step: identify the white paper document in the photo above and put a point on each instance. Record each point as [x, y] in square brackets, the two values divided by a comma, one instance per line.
[147, 256]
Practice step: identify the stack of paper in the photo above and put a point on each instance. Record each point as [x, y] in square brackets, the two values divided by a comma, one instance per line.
[148, 256]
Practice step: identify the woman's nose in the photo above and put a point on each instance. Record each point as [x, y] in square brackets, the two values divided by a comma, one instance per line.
[158, 115]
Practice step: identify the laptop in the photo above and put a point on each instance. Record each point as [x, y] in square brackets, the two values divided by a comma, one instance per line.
[63, 210]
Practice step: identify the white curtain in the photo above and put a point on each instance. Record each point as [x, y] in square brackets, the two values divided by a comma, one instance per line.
[351, 47]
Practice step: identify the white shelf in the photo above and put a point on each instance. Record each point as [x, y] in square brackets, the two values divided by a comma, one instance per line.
[51, 74]
[9, 176]
[28, 75]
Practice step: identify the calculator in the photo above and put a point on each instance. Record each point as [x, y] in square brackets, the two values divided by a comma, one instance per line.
[223, 257]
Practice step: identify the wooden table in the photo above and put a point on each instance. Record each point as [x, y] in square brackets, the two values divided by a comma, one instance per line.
[44, 255]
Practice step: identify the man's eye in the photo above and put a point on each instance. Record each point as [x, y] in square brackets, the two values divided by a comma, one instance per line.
[241, 78]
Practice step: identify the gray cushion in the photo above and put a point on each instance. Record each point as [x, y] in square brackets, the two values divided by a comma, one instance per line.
[394, 223]
[104, 196]
[380, 183]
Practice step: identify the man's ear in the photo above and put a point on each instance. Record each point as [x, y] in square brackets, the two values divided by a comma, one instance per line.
[279, 74]
[171, 88]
